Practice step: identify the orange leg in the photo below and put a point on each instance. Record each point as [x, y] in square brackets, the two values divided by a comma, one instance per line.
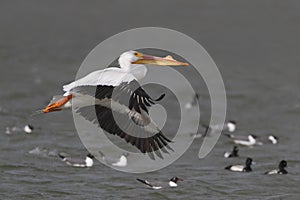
[56, 106]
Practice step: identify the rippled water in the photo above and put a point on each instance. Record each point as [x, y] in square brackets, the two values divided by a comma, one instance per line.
[255, 45]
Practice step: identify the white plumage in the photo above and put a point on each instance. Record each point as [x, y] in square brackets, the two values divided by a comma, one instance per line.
[116, 92]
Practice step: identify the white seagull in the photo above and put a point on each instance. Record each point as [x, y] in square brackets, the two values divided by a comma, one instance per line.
[115, 92]
[172, 183]
[77, 162]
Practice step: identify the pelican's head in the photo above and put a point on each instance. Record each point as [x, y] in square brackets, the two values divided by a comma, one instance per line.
[133, 57]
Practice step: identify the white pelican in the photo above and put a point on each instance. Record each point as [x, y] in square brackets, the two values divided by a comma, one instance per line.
[116, 93]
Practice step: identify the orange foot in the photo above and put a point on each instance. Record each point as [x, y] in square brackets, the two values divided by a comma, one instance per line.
[56, 106]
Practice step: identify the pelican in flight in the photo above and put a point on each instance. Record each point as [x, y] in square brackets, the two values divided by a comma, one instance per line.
[113, 95]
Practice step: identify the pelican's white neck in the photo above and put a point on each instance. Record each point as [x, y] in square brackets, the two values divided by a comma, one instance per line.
[125, 62]
[138, 71]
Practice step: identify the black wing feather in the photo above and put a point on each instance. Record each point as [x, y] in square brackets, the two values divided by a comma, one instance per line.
[136, 99]
[153, 143]
[130, 94]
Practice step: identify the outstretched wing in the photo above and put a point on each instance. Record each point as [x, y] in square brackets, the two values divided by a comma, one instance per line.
[122, 110]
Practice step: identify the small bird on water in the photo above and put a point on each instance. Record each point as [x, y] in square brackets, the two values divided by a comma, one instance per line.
[281, 168]
[234, 153]
[77, 162]
[28, 128]
[241, 168]
[121, 162]
[172, 183]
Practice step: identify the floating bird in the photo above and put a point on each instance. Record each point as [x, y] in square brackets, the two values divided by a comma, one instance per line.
[17, 129]
[121, 162]
[234, 153]
[200, 135]
[115, 93]
[229, 126]
[38, 151]
[249, 140]
[28, 128]
[172, 183]
[281, 168]
[7, 130]
[271, 139]
[241, 168]
[77, 162]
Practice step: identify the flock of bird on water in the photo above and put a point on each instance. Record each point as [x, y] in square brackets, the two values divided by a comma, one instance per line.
[116, 92]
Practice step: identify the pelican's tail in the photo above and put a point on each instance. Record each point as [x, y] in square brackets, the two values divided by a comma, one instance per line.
[57, 103]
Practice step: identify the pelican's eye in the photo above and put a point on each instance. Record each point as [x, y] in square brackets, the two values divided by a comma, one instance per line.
[137, 54]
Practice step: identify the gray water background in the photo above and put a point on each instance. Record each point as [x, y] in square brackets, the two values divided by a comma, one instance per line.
[255, 44]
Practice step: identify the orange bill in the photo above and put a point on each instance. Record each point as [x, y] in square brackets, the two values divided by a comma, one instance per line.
[168, 60]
